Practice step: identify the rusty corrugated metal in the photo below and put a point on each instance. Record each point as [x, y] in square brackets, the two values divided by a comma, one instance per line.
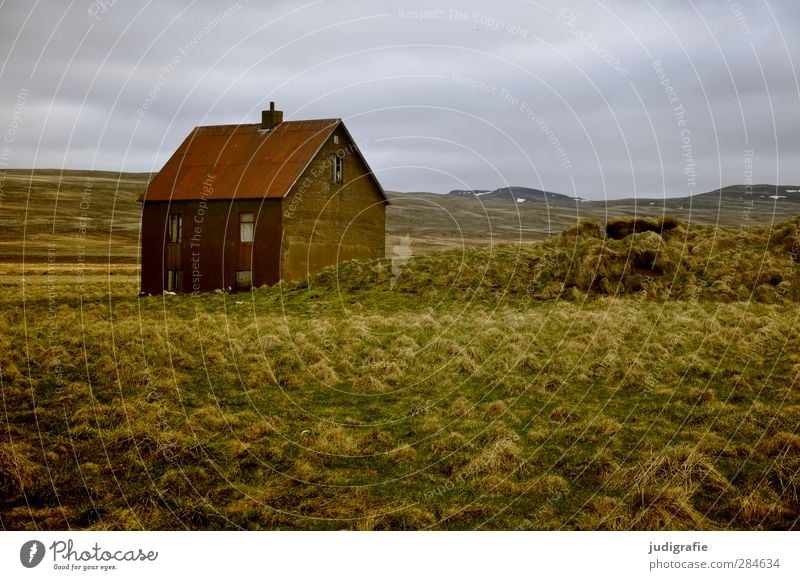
[217, 247]
[173, 256]
[239, 161]
[245, 256]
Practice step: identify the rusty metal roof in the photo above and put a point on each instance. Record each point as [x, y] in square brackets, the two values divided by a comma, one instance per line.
[241, 161]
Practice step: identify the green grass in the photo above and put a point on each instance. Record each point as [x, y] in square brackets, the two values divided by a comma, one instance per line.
[584, 382]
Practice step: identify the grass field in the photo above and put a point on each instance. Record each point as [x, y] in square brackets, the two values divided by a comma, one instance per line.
[642, 375]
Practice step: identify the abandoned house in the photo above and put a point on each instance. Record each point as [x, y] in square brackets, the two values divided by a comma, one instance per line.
[241, 206]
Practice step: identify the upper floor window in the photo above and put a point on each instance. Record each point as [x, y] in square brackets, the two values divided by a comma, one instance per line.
[337, 169]
[245, 227]
[174, 226]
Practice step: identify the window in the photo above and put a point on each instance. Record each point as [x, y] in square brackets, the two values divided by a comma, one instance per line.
[337, 169]
[336, 139]
[244, 279]
[245, 227]
[174, 226]
[174, 281]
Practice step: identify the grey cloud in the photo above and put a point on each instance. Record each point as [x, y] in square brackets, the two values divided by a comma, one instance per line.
[125, 87]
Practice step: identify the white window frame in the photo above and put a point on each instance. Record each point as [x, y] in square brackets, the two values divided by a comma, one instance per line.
[246, 227]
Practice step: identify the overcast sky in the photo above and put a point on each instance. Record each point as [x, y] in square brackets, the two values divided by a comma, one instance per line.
[599, 99]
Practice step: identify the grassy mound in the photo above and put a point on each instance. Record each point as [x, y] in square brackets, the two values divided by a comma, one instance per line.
[655, 259]
[622, 227]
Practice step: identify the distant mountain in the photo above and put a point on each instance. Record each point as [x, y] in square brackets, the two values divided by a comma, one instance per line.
[729, 196]
[517, 194]
[467, 192]
[760, 191]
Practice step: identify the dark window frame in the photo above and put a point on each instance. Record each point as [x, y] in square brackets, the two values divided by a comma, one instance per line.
[244, 286]
[337, 169]
[174, 281]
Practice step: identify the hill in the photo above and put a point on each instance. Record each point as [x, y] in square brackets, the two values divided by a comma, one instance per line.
[658, 259]
[732, 206]
[517, 194]
[93, 214]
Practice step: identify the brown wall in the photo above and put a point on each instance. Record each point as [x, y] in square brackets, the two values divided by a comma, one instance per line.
[326, 223]
[215, 242]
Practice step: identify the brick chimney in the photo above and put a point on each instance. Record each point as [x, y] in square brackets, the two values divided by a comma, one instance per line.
[272, 117]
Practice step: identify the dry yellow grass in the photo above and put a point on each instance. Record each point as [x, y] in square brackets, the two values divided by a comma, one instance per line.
[144, 435]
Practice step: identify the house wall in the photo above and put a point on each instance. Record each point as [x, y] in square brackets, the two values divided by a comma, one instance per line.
[210, 253]
[326, 223]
